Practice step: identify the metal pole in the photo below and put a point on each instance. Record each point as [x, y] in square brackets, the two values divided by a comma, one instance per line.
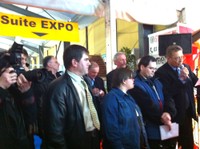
[110, 25]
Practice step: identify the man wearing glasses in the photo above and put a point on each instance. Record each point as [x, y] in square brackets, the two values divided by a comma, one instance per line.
[178, 81]
[148, 94]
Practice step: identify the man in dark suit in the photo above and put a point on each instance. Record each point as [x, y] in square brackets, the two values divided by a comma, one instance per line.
[96, 82]
[178, 81]
[120, 62]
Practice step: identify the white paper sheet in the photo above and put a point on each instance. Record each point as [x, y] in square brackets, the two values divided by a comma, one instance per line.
[167, 134]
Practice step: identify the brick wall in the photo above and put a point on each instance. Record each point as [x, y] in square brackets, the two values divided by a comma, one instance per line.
[98, 59]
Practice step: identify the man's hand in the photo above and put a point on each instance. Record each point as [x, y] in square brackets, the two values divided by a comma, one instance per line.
[184, 73]
[166, 119]
[8, 77]
[97, 92]
[23, 84]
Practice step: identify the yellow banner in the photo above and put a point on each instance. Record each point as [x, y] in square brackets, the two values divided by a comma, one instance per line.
[30, 27]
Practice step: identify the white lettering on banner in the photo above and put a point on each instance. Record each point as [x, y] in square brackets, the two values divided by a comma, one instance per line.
[153, 45]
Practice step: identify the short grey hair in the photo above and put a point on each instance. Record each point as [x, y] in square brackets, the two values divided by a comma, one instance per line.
[117, 54]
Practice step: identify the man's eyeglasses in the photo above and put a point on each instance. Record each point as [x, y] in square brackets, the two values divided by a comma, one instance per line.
[178, 58]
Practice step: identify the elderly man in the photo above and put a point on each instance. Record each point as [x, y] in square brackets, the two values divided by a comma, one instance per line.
[120, 62]
[96, 82]
[48, 73]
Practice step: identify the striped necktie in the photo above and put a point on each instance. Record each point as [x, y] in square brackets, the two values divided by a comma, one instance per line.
[93, 111]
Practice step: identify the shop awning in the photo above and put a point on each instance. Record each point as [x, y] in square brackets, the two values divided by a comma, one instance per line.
[144, 11]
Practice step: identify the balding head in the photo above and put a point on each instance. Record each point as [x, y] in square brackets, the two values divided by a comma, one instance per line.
[93, 70]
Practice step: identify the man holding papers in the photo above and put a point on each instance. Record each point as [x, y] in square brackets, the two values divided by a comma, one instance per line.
[156, 111]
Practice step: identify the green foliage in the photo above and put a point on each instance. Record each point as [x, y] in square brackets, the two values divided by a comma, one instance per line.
[131, 59]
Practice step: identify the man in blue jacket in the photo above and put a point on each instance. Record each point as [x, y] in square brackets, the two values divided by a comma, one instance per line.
[155, 108]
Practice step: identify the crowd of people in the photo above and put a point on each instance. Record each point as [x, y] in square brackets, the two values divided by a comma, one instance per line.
[76, 110]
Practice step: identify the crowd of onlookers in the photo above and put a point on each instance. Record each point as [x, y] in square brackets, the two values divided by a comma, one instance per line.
[76, 110]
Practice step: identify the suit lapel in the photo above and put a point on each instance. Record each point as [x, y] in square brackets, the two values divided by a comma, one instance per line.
[171, 71]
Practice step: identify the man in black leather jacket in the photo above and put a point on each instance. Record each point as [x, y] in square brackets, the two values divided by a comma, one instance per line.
[68, 123]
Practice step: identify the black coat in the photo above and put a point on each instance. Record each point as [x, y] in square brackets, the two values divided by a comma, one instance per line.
[13, 133]
[99, 83]
[63, 117]
[40, 86]
[175, 89]
[109, 79]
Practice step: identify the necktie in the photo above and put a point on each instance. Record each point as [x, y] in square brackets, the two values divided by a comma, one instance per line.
[155, 90]
[178, 71]
[182, 78]
[92, 82]
[187, 101]
[93, 111]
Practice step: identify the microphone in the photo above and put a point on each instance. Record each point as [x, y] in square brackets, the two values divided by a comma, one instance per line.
[182, 66]
[179, 69]
[183, 74]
